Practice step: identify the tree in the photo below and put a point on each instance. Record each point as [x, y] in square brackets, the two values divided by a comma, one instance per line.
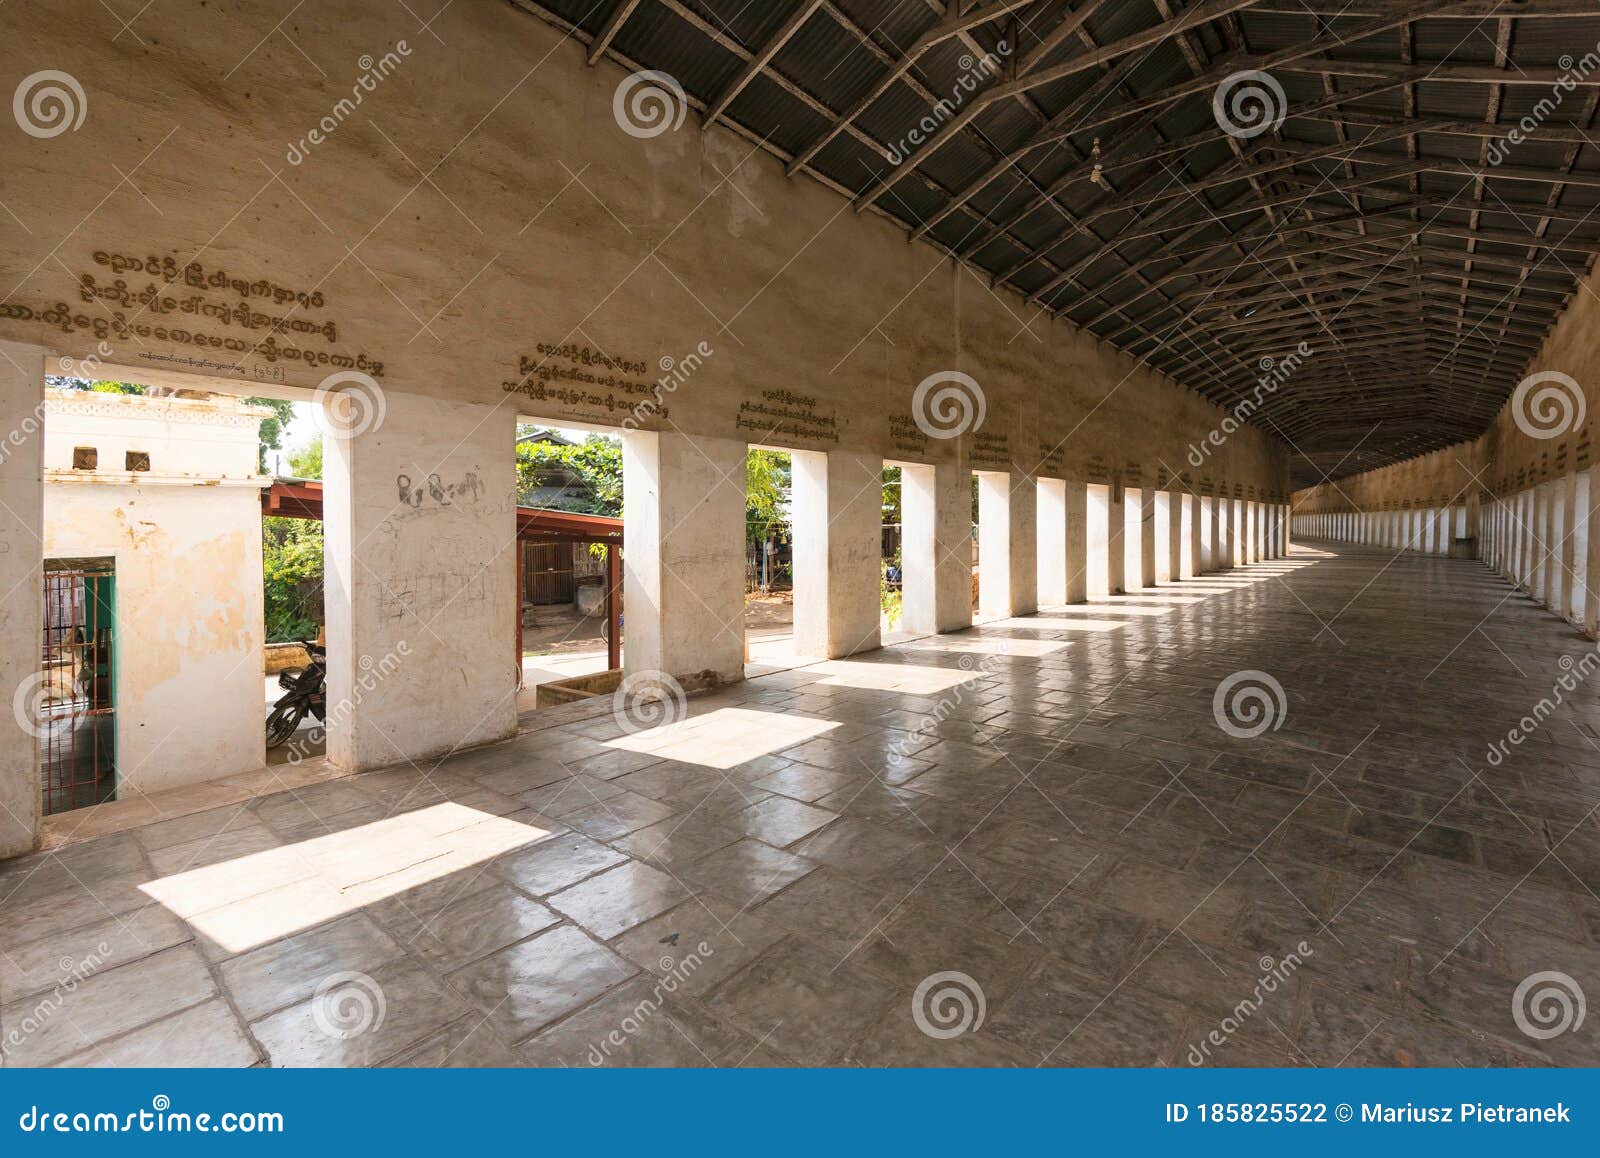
[291, 557]
[307, 461]
[588, 476]
[767, 479]
[272, 428]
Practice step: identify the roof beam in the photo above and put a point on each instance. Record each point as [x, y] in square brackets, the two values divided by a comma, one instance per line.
[757, 63]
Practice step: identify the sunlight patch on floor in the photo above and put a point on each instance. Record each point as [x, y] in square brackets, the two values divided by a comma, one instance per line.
[979, 645]
[906, 678]
[254, 899]
[1053, 623]
[725, 737]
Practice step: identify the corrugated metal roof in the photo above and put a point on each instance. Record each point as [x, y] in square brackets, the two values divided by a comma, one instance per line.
[1283, 220]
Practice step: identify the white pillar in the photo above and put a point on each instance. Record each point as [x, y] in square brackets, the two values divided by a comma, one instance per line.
[1141, 552]
[838, 535]
[1591, 594]
[1169, 535]
[1544, 539]
[420, 538]
[936, 547]
[1007, 552]
[1051, 542]
[1224, 534]
[22, 370]
[1077, 503]
[1189, 561]
[683, 567]
[1210, 548]
[1116, 532]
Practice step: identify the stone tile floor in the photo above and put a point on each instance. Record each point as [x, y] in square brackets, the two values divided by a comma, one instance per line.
[1040, 821]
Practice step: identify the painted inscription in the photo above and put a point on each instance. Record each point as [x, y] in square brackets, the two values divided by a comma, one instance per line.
[189, 304]
[786, 413]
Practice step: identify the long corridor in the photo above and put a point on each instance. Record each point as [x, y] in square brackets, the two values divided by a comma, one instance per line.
[1328, 810]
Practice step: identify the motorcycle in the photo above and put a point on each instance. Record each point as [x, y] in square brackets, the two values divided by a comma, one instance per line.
[304, 690]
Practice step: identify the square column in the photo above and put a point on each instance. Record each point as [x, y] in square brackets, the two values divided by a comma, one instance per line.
[1169, 525]
[1567, 544]
[1116, 532]
[1210, 543]
[1222, 547]
[683, 567]
[1192, 528]
[936, 547]
[22, 370]
[1051, 542]
[420, 538]
[1543, 539]
[1239, 530]
[838, 532]
[1077, 502]
[1590, 480]
[1139, 549]
[1008, 523]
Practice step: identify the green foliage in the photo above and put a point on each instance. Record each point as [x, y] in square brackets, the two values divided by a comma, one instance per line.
[597, 461]
[272, 428]
[891, 496]
[767, 478]
[891, 602]
[291, 555]
[307, 461]
[105, 387]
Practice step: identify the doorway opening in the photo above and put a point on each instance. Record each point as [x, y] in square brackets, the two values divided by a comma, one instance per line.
[769, 571]
[570, 618]
[75, 720]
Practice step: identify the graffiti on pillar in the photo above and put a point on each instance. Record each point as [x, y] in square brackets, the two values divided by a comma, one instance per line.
[426, 594]
[789, 415]
[1050, 459]
[434, 491]
[1097, 469]
[1133, 473]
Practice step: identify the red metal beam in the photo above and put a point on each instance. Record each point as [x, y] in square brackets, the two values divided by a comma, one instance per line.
[302, 499]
